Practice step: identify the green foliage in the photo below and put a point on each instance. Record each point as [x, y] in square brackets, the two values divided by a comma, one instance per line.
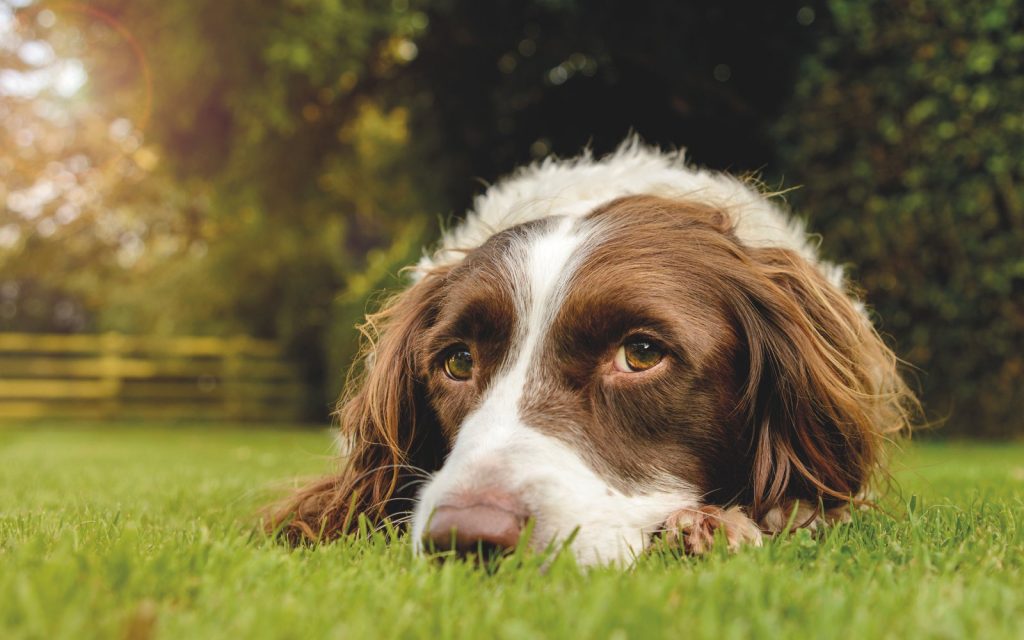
[264, 168]
[240, 163]
[907, 134]
[146, 532]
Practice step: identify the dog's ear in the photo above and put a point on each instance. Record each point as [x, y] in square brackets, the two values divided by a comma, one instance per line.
[387, 426]
[822, 392]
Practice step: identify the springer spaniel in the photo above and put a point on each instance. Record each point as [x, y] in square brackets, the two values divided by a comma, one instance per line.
[618, 349]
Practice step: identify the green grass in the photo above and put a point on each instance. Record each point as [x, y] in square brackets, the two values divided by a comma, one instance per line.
[146, 532]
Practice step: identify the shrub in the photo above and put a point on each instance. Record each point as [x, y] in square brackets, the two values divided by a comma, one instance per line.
[907, 133]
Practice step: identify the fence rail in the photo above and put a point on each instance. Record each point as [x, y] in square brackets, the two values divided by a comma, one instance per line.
[119, 376]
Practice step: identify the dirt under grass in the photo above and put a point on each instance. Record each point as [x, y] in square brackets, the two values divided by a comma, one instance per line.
[141, 531]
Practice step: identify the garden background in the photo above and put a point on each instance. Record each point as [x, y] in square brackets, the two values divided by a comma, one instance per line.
[200, 199]
[179, 168]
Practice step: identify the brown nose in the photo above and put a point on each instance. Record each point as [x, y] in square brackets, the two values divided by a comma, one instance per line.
[487, 528]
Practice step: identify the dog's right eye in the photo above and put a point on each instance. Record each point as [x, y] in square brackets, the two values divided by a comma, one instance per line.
[458, 364]
[638, 355]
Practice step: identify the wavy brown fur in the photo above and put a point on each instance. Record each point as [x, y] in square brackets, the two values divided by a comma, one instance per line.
[820, 396]
[384, 419]
[823, 392]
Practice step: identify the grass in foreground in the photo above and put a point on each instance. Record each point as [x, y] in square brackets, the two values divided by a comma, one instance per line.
[142, 532]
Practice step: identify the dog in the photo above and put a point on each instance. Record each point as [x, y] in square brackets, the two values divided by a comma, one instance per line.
[614, 350]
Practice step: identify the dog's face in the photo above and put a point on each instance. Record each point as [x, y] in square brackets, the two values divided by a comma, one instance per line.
[585, 373]
[598, 373]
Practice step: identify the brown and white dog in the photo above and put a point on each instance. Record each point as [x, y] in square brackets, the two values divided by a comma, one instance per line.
[617, 348]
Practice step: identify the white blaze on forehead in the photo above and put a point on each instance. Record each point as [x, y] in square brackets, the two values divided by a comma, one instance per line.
[496, 451]
[576, 186]
[549, 263]
[540, 271]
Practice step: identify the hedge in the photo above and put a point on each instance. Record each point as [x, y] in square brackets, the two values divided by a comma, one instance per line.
[906, 132]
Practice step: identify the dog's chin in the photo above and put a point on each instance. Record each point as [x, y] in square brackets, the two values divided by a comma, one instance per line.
[618, 533]
[607, 545]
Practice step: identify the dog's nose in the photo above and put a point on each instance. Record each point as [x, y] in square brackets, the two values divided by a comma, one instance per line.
[485, 527]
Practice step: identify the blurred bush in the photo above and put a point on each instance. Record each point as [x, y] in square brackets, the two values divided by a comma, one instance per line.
[229, 169]
[267, 168]
[504, 82]
[906, 132]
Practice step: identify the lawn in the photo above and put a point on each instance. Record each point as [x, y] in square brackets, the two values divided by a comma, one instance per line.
[141, 532]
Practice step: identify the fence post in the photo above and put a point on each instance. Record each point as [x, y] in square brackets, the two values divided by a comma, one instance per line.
[234, 352]
[111, 346]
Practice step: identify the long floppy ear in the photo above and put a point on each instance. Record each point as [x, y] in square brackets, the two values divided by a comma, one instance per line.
[823, 393]
[386, 423]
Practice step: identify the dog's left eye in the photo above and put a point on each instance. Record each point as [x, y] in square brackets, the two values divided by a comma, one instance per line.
[638, 355]
[458, 364]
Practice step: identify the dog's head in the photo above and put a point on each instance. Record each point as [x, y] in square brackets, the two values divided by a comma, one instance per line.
[597, 373]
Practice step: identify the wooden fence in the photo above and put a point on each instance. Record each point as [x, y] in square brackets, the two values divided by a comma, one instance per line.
[111, 375]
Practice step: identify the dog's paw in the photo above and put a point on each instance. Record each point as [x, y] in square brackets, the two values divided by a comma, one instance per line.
[694, 529]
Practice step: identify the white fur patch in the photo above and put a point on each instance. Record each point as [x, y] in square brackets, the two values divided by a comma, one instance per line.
[496, 451]
[577, 186]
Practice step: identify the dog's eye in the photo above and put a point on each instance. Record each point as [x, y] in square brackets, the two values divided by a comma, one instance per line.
[458, 364]
[638, 355]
